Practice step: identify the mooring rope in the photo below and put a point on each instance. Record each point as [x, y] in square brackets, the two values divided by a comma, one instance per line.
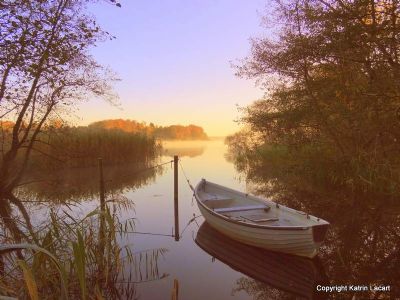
[147, 233]
[190, 222]
[184, 174]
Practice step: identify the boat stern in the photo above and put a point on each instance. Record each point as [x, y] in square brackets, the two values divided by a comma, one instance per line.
[319, 232]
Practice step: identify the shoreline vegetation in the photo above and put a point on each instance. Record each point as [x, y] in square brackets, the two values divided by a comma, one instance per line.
[325, 137]
[116, 141]
[45, 70]
[330, 112]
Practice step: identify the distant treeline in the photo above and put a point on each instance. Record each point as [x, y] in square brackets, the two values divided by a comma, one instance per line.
[172, 132]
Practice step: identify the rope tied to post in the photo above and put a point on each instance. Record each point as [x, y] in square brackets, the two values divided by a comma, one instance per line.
[184, 174]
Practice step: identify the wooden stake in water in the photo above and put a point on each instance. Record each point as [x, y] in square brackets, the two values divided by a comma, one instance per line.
[176, 212]
[175, 290]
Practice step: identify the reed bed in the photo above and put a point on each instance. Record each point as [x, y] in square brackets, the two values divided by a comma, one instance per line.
[77, 258]
[73, 147]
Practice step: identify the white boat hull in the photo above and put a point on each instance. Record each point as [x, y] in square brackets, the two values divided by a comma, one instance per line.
[296, 240]
[287, 241]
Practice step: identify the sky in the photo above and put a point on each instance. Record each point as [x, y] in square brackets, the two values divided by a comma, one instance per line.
[174, 59]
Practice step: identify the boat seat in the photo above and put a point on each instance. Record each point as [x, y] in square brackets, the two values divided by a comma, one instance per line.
[240, 208]
[217, 199]
[258, 220]
[220, 203]
[211, 197]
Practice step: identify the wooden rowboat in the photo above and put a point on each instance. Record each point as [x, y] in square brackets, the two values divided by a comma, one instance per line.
[287, 273]
[260, 222]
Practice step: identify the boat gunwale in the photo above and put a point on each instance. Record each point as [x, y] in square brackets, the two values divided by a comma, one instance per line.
[213, 213]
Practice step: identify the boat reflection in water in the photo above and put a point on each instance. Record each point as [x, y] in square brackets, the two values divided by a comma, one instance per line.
[291, 275]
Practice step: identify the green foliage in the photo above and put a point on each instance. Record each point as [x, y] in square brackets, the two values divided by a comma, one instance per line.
[80, 262]
[45, 256]
[29, 280]
[333, 108]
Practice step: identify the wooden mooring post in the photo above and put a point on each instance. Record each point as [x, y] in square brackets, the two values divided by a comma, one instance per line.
[176, 211]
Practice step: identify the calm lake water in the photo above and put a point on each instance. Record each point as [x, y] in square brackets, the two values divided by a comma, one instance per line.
[200, 275]
[206, 264]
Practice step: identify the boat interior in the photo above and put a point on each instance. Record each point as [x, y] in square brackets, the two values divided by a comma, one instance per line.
[249, 209]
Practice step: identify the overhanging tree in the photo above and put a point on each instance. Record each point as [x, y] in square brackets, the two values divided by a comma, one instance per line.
[337, 65]
[45, 69]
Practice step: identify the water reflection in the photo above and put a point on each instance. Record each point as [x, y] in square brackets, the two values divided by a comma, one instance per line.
[363, 243]
[146, 266]
[75, 184]
[183, 148]
[272, 275]
[152, 195]
[83, 183]
[362, 246]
